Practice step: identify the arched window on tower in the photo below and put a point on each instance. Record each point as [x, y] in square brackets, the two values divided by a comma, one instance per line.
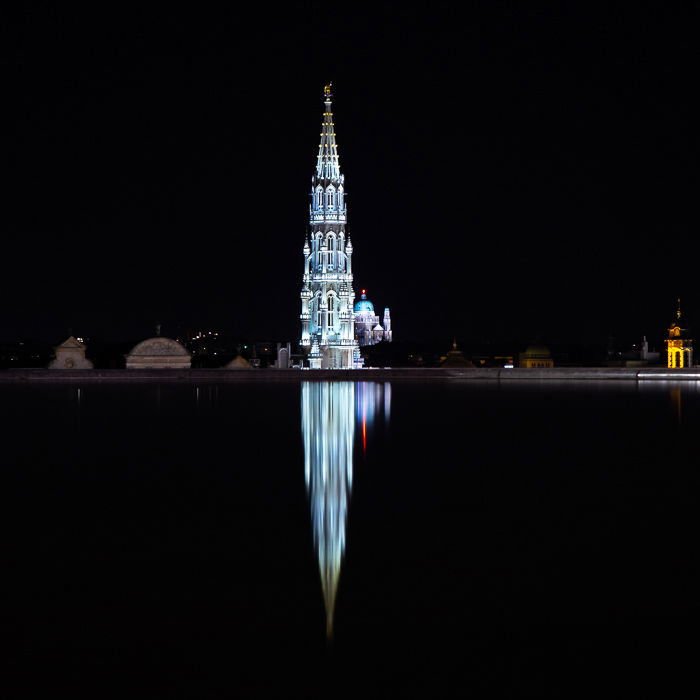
[319, 312]
[340, 255]
[331, 251]
[332, 310]
[318, 258]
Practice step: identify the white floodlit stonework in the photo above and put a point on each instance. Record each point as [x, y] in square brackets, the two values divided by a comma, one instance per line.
[327, 295]
[70, 354]
[158, 353]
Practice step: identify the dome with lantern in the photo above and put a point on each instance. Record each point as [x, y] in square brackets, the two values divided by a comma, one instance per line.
[364, 305]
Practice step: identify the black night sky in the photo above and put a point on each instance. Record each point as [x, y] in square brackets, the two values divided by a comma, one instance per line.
[518, 171]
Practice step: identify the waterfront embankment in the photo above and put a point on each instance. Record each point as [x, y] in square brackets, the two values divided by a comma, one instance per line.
[369, 374]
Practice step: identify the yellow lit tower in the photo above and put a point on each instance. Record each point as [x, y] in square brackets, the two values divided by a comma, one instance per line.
[680, 346]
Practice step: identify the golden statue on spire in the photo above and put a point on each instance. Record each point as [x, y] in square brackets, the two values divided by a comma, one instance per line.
[327, 90]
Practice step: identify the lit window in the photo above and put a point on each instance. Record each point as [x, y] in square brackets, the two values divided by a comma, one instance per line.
[319, 313]
[331, 310]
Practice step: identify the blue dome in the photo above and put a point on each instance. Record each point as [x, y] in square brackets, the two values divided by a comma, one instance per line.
[364, 305]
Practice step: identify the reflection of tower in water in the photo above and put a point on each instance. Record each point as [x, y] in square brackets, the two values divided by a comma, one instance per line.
[328, 429]
[676, 401]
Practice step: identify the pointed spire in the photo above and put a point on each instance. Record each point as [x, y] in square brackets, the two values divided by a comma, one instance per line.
[678, 313]
[327, 165]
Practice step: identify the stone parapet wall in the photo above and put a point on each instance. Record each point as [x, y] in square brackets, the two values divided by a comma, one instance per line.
[361, 375]
[158, 362]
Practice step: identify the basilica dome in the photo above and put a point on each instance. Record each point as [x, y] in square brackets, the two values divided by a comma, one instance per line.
[364, 306]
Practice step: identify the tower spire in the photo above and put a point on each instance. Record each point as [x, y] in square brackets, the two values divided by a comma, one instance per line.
[327, 165]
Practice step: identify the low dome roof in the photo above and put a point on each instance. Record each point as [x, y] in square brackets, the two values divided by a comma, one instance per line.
[159, 346]
[455, 358]
[239, 362]
[537, 351]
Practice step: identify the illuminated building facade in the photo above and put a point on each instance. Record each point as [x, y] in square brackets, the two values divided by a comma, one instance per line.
[327, 295]
[680, 346]
[368, 330]
[70, 354]
[536, 356]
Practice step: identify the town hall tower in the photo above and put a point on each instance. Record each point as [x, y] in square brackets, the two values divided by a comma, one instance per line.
[327, 296]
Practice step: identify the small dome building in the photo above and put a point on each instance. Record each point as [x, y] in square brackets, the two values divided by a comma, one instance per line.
[238, 362]
[536, 356]
[70, 354]
[455, 358]
[158, 353]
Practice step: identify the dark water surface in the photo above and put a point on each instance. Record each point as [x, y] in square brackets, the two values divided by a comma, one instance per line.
[339, 539]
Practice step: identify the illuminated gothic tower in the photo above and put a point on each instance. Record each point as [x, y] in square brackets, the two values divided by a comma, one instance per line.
[327, 319]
